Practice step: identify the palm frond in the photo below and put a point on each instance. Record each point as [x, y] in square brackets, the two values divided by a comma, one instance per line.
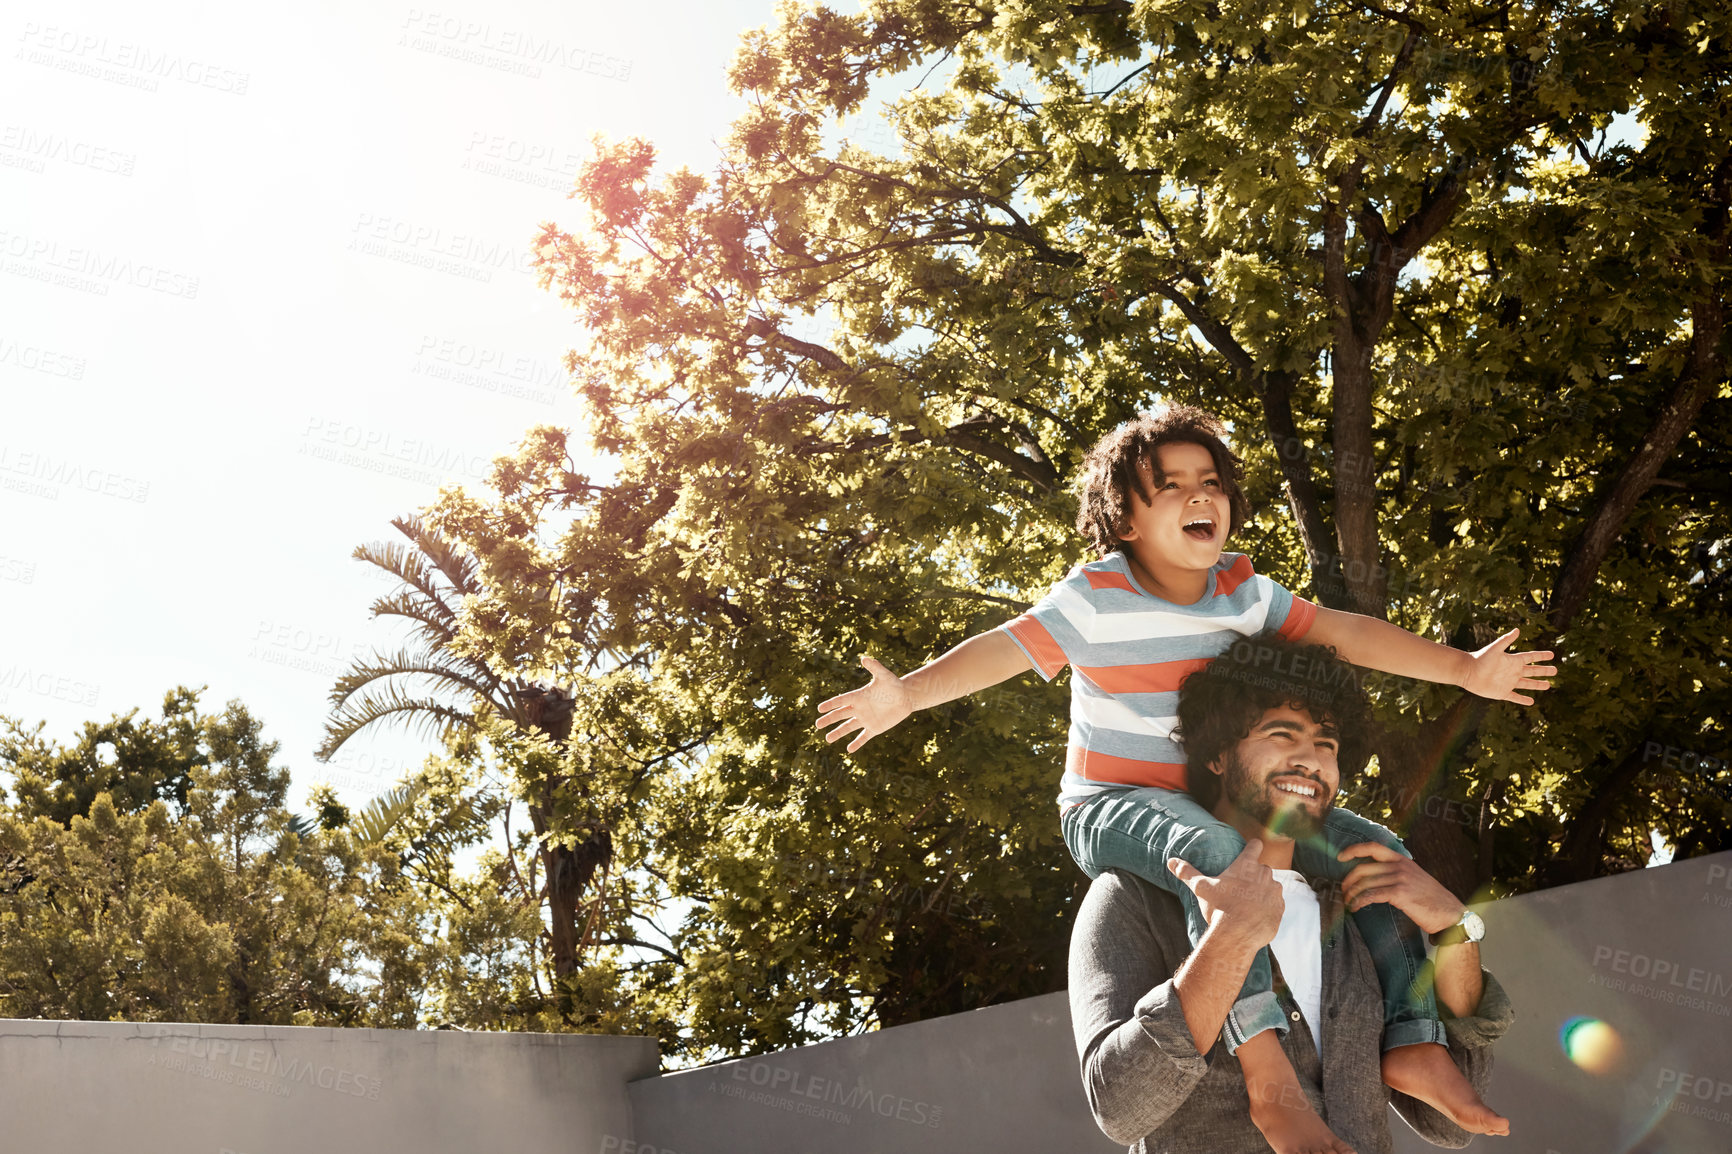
[389, 705]
[374, 824]
[458, 567]
[407, 566]
[433, 621]
[452, 673]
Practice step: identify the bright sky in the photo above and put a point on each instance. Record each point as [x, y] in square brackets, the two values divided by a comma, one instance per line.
[263, 286]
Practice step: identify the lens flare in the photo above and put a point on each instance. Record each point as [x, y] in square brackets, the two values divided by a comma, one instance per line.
[1592, 1044]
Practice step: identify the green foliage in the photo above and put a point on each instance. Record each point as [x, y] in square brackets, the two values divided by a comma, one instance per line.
[180, 890]
[1456, 275]
[536, 924]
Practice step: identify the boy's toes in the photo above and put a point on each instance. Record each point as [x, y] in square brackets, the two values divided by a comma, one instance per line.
[1484, 1120]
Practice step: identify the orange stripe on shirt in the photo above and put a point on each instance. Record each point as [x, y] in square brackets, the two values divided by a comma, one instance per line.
[1155, 677]
[1109, 581]
[1234, 576]
[1039, 643]
[1299, 619]
[1105, 767]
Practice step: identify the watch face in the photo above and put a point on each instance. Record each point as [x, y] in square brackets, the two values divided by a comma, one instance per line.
[1474, 925]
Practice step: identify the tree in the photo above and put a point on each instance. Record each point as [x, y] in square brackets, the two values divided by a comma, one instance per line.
[561, 870]
[168, 882]
[1455, 275]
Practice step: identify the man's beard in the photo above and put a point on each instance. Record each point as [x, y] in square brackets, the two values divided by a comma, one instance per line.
[1257, 800]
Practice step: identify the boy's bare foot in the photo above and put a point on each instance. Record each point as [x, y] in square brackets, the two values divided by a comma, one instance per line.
[1424, 1071]
[1279, 1107]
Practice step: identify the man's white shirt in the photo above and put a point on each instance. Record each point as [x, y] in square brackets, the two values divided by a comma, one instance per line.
[1298, 947]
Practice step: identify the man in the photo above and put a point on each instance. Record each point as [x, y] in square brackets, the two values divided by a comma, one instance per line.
[1268, 729]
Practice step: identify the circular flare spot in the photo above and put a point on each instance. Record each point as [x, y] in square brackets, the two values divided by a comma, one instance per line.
[1592, 1044]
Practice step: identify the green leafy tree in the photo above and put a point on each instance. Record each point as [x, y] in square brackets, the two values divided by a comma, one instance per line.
[1456, 275]
[547, 901]
[151, 872]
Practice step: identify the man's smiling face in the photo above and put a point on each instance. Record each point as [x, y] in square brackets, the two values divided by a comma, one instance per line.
[1185, 524]
[1283, 773]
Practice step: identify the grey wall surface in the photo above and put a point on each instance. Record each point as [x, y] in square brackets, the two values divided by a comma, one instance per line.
[1641, 964]
[108, 1088]
[1001, 1079]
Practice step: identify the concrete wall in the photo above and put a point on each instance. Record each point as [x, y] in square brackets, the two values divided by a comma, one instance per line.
[1001, 1079]
[107, 1088]
[1640, 965]
[1646, 956]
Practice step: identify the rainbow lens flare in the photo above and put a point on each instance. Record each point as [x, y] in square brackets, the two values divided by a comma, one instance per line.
[1592, 1044]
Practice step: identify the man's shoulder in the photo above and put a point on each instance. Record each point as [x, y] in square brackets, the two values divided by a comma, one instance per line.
[1121, 894]
[1127, 926]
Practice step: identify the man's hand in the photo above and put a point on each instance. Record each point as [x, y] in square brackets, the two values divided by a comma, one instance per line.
[1398, 880]
[1244, 901]
[1497, 673]
[871, 709]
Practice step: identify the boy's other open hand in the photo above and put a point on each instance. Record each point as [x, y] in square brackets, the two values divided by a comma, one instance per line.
[1499, 674]
[871, 709]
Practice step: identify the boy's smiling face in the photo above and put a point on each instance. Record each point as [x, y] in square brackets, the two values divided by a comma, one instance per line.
[1184, 527]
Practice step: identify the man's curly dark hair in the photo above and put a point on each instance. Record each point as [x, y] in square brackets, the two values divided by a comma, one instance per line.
[1220, 703]
[1112, 471]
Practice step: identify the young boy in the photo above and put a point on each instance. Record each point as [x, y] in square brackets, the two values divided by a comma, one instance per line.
[1161, 496]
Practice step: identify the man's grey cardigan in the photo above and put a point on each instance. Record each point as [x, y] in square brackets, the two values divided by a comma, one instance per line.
[1151, 1090]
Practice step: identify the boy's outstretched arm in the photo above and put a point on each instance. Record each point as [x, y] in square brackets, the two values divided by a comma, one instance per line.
[983, 660]
[1492, 672]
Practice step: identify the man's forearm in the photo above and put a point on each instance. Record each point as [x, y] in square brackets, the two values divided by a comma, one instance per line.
[982, 661]
[1209, 981]
[1374, 644]
[1460, 982]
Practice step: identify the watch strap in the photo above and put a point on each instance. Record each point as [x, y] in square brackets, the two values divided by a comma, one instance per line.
[1453, 936]
[1457, 933]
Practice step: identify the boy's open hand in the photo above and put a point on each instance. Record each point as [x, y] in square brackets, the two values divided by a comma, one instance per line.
[871, 709]
[1498, 674]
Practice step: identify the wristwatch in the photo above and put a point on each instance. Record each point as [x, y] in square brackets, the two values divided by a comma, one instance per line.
[1471, 928]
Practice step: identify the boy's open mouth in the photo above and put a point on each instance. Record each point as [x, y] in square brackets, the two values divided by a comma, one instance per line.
[1200, 529]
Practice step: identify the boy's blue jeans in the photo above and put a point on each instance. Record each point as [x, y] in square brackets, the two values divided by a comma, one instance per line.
[1138, 829]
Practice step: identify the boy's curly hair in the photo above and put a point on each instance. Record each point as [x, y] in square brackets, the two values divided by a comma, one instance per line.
[1220, 703]
[1112, 471]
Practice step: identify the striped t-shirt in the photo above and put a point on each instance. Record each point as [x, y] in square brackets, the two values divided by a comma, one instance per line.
[1128, 651]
